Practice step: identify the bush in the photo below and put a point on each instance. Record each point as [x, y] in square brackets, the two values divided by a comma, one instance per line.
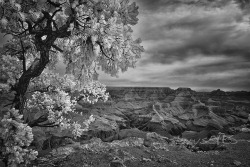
[16, 137]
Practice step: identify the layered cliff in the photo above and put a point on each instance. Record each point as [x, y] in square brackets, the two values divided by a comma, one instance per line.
[171, 112]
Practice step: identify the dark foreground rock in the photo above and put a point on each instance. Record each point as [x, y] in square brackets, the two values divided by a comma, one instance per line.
[131, 152]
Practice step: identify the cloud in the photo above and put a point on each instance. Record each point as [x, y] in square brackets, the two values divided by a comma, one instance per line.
[197, 72]
[188, 31]
[156, 5]
[202, 44]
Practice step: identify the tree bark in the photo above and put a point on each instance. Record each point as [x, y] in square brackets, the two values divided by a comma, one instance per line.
[39, 64]
[34, 70]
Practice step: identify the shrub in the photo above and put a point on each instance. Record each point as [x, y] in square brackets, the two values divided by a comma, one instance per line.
[16, 137]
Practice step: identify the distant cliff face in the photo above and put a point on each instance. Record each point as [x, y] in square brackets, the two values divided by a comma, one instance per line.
[138, 93]
[171, 112]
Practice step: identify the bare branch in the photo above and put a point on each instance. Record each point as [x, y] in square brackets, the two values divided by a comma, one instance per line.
[57, 48]
[41, 90]
[55, 25]
[23, 56]
[102, 50]
[36, 122]
[47, 126]
[60, 9]
[55, 4]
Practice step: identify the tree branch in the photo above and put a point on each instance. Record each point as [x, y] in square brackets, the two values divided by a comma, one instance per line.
[42, 90]
[57, 48]
[23, 56]
[104, 53]
[47, 126]
[55, 4]
[54, 23]
[34, 70]
[60, 9]
[36, 122]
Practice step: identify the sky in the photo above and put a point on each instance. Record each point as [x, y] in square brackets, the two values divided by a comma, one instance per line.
[201, 44]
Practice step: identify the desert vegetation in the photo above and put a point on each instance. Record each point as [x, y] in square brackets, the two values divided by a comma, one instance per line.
[51, 119]
[86, 36]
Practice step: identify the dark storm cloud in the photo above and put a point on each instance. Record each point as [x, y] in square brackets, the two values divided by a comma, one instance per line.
[192, 31]
[207, 43]
[222, 67]
[202, 44]
[154, 5]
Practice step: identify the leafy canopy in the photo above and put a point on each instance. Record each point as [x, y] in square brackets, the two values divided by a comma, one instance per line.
[90, 34]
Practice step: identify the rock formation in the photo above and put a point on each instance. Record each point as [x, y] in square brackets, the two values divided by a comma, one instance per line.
[168, 112]
[171, 112]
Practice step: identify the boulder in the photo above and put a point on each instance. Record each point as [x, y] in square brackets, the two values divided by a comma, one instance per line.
[196, 135]
[177, 129]
[117, 163]
[189, 135]
[236, 119]
[186, 116]
[214, 125]
[230, 119]
[202, 134]
[191, 127]
[244, 121]
[47, 138]
[158, 128]
[210, 146]
[242, 114]
[103, 128]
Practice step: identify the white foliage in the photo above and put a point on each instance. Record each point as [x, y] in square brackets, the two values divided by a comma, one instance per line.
[11, 67]
[93, 92]
[100, 37]
[16, 136]
[57, 104]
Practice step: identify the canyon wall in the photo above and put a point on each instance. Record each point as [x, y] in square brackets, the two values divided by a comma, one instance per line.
[170, 112]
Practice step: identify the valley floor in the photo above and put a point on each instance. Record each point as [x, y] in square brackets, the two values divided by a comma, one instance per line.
[117, 154]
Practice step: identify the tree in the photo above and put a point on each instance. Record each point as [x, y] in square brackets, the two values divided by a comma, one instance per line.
[86, 34]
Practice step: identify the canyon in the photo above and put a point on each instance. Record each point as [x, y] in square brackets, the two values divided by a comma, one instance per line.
[168, 112]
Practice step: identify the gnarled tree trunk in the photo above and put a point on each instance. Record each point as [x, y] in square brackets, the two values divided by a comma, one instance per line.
[33, 71]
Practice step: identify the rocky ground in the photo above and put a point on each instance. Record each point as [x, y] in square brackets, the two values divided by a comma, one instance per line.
[121, 134]
[131, 152]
